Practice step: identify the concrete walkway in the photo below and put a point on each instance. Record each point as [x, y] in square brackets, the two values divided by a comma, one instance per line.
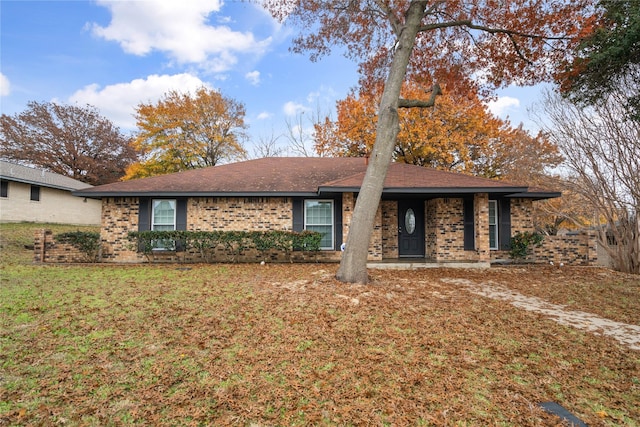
[626, 334]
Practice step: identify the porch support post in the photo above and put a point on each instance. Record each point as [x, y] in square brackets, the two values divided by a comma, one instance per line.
[481, 221]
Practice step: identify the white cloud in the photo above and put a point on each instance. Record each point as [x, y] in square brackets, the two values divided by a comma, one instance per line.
[180, 30]
[5, 86]
[264, 115]
[503, 105]
[292, 108]
[253, 77]
[117, 102]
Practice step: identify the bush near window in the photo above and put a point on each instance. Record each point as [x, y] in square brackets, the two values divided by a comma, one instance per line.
[87, 242]
[234, 242]
[521, 242]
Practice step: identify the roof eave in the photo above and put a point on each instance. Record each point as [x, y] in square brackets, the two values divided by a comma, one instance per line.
[536, 195]
[101, 194]
[429, 190]
[41, 184]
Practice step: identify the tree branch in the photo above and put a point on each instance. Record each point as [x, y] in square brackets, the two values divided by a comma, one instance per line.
[393, 20]
[469, 24]
[416, 103]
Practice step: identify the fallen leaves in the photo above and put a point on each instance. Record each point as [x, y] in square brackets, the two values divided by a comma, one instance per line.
[290, 345]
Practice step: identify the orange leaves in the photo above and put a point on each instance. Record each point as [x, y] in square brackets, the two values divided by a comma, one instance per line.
[184, 131]
[458, 133]
[507, 41]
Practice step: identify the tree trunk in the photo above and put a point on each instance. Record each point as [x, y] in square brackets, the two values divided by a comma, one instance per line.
[353, 266]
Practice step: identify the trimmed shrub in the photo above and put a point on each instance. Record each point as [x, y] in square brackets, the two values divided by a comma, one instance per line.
[233, 242]
[87, 242]
[521, 242]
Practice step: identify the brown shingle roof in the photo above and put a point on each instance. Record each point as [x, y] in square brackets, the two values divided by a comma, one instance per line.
[402, 177]
[296, 175]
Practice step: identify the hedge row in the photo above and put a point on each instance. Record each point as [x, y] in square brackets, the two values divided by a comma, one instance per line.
[233, 242]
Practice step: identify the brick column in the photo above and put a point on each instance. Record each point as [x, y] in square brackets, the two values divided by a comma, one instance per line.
[481, 226]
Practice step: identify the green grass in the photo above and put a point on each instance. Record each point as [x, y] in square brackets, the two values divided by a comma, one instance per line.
[101, 345]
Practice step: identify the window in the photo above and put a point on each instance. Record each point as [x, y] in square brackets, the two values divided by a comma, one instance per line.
[4, 188]
[318, 216]
[163, 218]
[493, 224]
[35, 193]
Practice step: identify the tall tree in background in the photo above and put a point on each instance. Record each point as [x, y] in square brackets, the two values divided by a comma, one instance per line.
[607, 58]
[66, 139]
[517, 156]
[458, 134]
[507, 41]
[602, 152]
[184, 131]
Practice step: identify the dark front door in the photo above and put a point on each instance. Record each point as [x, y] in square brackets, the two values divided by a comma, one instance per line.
[411, 228]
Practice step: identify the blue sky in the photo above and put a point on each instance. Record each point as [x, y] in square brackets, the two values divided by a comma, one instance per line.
[117, 54]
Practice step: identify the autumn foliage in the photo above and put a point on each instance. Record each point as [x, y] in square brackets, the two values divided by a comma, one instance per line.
[184, 131]
[458, 133]
[71, 140]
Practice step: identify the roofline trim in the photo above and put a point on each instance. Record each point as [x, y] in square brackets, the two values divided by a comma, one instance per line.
[430, 190]
[101, 194]
[536, 195]
[42, 184]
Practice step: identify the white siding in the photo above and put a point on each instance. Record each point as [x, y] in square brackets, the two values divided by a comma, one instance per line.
[55, 206]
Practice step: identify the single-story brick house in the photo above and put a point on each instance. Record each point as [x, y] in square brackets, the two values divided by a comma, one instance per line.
[35, 195]
[424, 213]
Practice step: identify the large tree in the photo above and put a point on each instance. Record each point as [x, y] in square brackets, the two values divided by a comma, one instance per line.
[67, 139]
[607, 57]
[465, 45]
[184, 131]
[603, 155]
[457, 134]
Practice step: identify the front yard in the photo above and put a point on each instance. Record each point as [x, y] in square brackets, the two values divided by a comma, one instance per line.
[283, 344]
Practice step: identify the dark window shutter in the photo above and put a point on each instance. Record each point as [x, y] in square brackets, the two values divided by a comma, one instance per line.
[181, 214]
[144, 217]
[35, 193]
[298, 214]
[181, 221]
[337, 223]
[4, 188]
[144, 214]
[469, 226]
[504, 233]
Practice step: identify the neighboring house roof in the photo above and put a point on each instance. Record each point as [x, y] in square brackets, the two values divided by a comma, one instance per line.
[28, 175]
[296, 176]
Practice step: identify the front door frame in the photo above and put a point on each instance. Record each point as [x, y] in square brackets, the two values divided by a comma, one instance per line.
[411, 245]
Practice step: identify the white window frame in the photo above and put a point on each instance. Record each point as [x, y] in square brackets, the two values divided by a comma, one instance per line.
[493, 203]
[332, 225]
[162, 245]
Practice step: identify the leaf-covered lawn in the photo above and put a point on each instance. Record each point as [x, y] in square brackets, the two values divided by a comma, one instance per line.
[288, 345]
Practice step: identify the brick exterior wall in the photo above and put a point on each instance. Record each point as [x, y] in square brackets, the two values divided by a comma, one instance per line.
[445, 222]
[389, 229]
[376, 248]
[239, 213]
[119, 217]
[572, 249]
[444, 231]
[481, 227]
[521, 216]
[430, 229]
[46, 249]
